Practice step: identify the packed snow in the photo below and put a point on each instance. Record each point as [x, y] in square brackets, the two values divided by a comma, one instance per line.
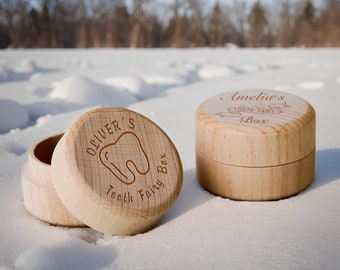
[43, 91]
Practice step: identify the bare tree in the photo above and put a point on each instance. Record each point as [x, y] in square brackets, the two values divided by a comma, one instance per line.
[64, 22]
[153, 28]
[181, 23]
[178, 26]
[138, 27]
[238, 19]
[118, 26]
[188, 25]
[197, 23]
[329, 24]
[14, 14]
[257, 24]
[82, 35]
[284, 32]
[5, 39]
[98, 16]
[305, 24]
[45, 26]
[216, 26]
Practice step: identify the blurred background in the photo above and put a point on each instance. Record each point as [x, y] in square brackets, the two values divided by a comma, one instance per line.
[168, 23]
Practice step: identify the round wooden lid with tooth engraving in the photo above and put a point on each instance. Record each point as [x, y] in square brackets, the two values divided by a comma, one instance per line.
[117, 171]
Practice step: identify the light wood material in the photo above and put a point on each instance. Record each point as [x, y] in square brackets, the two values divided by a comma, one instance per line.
[40, 197]
[255, 183]
[117, 171]
[255, 144]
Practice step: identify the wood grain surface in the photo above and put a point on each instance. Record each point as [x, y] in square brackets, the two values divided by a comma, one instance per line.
[40, 197]
[240, 133]
[117, 171]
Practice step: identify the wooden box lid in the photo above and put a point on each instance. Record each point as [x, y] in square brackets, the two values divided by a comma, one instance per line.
[255, 127]
[116, 171]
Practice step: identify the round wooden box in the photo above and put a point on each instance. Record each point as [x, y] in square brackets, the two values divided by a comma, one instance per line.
[116, 171]
[255, 144]
[40, 196]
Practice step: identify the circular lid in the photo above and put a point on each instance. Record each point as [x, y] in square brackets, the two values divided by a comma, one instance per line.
[255, 128]
[116, 171]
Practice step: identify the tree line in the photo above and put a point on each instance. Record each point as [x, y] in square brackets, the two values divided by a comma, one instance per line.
[180, 23]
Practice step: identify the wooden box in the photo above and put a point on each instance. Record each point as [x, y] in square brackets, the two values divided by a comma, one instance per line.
[40, 196]
[255, 144]
[113, 170]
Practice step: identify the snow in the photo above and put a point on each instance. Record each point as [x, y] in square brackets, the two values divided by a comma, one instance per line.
[43, 91]
[130, 83]
[210, 71]
[312, 85]
[18, 119]
[80, 90]
[71, 254]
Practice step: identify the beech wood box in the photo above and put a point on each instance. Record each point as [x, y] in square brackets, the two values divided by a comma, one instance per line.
[255, 144]
[40, 197]
[113, 170]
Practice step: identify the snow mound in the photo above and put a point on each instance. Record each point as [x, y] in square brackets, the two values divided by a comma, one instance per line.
[312, 85]
[249, 68]
[80, 90]
[131, 83]
[211, 71]
[77, 89]
[164, 80]
[230, 45]
[28, 66]
[12, 115]
[71, 254]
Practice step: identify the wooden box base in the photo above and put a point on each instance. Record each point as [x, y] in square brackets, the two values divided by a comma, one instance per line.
[40, 197]
[255, 184]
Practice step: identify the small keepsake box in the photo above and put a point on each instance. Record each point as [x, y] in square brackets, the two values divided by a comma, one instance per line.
[255, 144]
[40, 196]
[116, 171]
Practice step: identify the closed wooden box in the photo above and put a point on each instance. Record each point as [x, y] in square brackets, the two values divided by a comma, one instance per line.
[255, 144]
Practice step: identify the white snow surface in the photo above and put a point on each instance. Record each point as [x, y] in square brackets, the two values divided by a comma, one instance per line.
[43, 91]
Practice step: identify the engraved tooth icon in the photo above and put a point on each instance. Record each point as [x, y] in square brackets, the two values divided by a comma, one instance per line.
[125, 157]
